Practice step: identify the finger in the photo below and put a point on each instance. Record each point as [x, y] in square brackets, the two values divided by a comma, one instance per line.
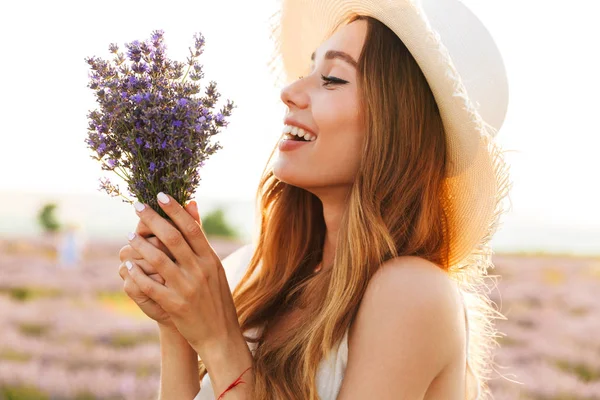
[155, 291]
[144, 231]
[159, 260]
[157, 278]
[159, 245]
[169, 235]
[133, 290]
[127, 253]
[130, 253]
[123, 273]
[148, 268]
[187, 225]
[192, 209]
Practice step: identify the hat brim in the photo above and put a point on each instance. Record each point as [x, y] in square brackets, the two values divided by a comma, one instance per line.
[477, 177]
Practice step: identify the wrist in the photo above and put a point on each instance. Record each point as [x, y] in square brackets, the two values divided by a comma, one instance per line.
[178, 365]
[167, 327]
[170, 335]
[226, 361]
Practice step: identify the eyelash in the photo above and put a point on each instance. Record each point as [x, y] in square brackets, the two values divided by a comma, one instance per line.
[331, 80]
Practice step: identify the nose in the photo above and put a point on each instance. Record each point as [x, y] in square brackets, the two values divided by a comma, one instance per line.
[294, 95]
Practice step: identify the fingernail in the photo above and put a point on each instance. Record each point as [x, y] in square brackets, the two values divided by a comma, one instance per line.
[129, 265]
[139, 206]
[131, 235]
[163, 198]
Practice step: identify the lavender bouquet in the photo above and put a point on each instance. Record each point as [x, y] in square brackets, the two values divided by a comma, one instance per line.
[151, 129]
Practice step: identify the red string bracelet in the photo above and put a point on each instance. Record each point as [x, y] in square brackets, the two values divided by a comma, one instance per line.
[236, 382]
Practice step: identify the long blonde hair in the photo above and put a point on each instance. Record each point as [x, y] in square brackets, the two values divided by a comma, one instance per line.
[393, 209]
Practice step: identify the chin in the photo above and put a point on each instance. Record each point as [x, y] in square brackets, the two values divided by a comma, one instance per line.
[285, 172]
[290, 174]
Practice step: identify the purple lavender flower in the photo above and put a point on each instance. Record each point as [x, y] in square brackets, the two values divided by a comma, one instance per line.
[157, 35]
[151, 124]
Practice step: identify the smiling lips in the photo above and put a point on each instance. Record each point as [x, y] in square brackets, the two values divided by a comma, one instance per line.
[295, 138]
[290, 131]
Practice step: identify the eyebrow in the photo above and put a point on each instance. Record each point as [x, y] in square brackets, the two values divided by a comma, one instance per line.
[331, 54]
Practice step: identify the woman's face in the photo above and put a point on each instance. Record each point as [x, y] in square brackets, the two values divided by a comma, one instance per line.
[331, 111]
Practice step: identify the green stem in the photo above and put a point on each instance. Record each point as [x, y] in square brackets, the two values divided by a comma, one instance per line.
[126, 198]
[186, 72]
[120, 176]
[145, 169]
[189, 67]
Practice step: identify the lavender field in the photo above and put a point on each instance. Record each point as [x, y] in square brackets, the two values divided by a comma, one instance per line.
[72, 333]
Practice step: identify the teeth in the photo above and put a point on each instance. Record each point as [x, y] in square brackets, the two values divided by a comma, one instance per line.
[290, 130]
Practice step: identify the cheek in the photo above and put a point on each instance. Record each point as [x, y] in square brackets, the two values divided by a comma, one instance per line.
[342, 157]
[335, 158]
[331, 162]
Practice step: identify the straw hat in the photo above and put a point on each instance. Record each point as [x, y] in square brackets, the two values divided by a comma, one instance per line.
[466, 74]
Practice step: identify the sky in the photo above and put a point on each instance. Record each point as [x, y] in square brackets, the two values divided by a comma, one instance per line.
[551, 134]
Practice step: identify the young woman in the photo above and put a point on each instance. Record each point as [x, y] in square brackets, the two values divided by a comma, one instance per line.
[366, 279]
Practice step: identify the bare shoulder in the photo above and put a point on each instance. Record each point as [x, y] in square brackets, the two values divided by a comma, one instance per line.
[409, 272]
[407, 329]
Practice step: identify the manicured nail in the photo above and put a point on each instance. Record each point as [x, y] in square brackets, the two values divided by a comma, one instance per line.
[131, 235]
[139, 206]
[129, 265]
[163, 198]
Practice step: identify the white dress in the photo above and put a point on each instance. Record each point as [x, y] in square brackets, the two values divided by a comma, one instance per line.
[330, 371]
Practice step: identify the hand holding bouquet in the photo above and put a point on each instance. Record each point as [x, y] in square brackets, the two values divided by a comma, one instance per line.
[154, 133]
[152, 129]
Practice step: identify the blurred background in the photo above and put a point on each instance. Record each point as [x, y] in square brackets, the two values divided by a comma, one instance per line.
[67, 329]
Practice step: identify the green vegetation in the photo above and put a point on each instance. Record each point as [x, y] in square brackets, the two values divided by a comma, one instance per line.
[47, 218]
[22, 393]
[85, 396]
[29, 293]
[33, 329]
[12, 355]
[506, 341]
[146, 371]
[214, 224]
[126, 339]
[583, 372]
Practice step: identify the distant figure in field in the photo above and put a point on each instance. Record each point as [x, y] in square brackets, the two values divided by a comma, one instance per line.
[70, 247]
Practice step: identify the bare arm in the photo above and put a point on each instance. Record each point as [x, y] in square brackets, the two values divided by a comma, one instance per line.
[227, 361]
[178, 366]
[224, 364]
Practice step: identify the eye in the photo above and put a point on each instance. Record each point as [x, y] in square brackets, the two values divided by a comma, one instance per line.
[328, 80]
